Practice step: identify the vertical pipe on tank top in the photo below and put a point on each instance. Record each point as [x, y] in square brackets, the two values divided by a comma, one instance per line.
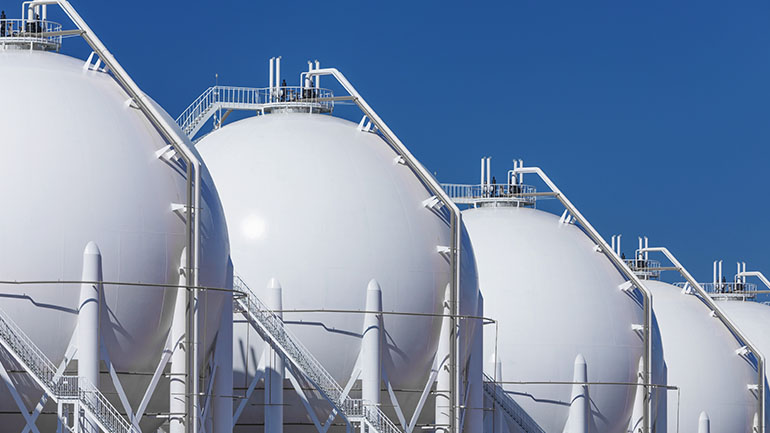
[274, 371]
[272, 79]
[489, 158]
[278, 73]
[714, 275]
[88, 319]
[371, 345]
[482, 173]
[619, 236]
[177, 377]
[317, 77]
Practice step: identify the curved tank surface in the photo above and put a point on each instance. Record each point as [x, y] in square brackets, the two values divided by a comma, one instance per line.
[555, 298]
[753, 319]
[702, 361]
[323, 207]
[79, 165]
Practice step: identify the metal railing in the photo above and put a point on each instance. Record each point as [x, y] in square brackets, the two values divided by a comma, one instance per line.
[69, 389]
[30, 32]
[271, 328]
[468, 194]
[734, 290]
[645, 268]
[496, 392]
[250, 98]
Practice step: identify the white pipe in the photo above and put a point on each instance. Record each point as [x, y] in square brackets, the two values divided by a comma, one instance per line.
[317, 77]
[613, 243]
[278, 73]
[371, 345]
[640, 253]
[521, 175]
[177, 378]
[272, 78]
[499, 422]
[489, 159]
[482, 172]
[578, 419]
[720, 272]
[646, 244]
[619, 251]
[743, 278]
[714, 275]
[88, 320]
[274, 370]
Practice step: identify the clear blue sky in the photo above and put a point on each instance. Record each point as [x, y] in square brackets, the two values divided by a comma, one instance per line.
[651, 115]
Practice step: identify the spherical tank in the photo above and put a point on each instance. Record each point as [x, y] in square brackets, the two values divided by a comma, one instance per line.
[324, 207]
[555, 297]
[79, 164]
[752, 318]
[702, 361]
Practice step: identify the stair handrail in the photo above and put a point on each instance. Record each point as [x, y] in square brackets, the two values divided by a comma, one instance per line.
[43, 371]
[313, 370]
[509, 405]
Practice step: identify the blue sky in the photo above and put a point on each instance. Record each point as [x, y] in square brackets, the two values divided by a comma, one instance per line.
[651, 116]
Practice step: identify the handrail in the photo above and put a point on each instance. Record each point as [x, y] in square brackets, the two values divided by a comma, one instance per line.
[41, 33]
[727, 290]
[645, 268]
[468, 194]
[60, 388]
[253, 99]
[717, 311]
[496, 391]
[620, 264]
[272, 329]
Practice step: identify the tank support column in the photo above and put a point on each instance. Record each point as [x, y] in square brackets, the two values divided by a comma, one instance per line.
[223, 379]
[371, 345]
[88, 319]
[274, 370]
[578, 420]
[444, 378]
[177, 377]
[704, 423]
[474, 411]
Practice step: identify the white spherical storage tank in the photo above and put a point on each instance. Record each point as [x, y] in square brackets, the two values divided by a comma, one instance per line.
[752, 318]
[324, 207]
[559, 308]
[79, 165]
[703, 361]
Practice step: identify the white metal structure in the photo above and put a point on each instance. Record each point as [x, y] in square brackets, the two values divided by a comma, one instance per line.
[752, 318]
[93, 150]
[695, 329]
[557, 301]
[346, 204]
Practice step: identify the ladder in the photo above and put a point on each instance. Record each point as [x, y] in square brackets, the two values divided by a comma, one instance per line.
[61, 388]
[271, 328]
[510, 407]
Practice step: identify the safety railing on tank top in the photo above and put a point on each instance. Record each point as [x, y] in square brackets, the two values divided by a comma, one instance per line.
[464, 194]
[645, 268]
[728, 290]
[26, 32]
[272, 329]
[61, 388]
[250, 98]
[496, 392]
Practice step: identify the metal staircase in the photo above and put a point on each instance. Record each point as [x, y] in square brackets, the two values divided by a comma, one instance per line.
[62, 389]
[271, 328]
[510, 407]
